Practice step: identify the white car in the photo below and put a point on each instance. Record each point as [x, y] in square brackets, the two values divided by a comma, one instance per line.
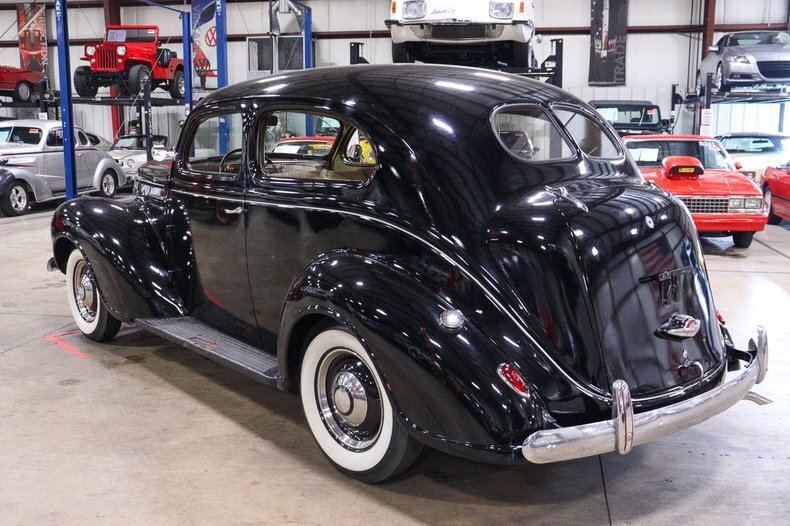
[32, 168]
[429, 29]
[754, 152]
[129, 152]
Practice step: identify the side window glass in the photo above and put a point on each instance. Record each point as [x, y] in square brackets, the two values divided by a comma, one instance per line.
[589, 135]
[94, 140]
[55, 138]
[528, 133]
[83, 138]
[312, 146]
[216, 145]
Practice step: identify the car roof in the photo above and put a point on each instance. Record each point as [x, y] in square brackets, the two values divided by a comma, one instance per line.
[755, 134]
[396, 87]
[34, 123]
[664, 137]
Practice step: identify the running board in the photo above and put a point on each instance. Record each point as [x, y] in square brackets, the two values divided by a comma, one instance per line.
[211, 343]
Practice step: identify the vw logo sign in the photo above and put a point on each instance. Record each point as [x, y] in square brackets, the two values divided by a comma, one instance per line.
[649, 221]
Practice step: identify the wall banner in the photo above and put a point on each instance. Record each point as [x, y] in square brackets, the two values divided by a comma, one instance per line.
[608, 26]
[31, 23]
[204, 43]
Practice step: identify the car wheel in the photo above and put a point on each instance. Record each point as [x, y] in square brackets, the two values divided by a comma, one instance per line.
[743, 239]
[773, 219]
[349, 411]
[138, 75]
[700, 86]
[177, 87]
[521, 55]
[23, 92]
[87, 307]
[108, 185]
[719, 84]
[400, 53]
[16, 200]
[82, 84]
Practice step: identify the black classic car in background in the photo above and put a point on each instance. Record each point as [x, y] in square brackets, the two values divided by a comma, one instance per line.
[493, 278]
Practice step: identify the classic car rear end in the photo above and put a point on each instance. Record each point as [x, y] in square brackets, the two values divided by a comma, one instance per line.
[494, 280]
[697, 169]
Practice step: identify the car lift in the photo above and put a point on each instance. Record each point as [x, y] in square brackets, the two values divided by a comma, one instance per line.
[64, 75]
[551, 68]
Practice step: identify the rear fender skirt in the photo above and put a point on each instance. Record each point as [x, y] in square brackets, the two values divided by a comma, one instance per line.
[125, 253]
[443, 385]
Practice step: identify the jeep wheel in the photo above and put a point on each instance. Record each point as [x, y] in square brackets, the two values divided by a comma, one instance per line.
[138, 75]
[177, 89]
[82, 83]
[23, 92]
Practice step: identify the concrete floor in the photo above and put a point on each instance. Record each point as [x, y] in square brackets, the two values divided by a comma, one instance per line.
[139, 431]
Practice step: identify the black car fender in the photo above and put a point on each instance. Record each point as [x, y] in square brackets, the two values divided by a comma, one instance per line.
[444, 385]
[123, 250]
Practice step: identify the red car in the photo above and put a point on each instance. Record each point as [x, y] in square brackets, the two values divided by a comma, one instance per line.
[776, 191]
[19, 84]
[698, 170]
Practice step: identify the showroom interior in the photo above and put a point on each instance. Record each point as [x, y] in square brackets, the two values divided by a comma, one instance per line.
[397, 261]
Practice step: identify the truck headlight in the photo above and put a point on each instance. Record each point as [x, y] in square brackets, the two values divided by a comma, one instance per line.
[414, 9]
[736, 202]
[753, 202]
[500, 9]
[90, 50]
[121, 50]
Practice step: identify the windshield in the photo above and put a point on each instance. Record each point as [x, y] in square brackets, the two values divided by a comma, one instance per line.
[649, 154]
[20, 135]
[631, 115]
[131, 35]
[759, 38]
[137, 142]
[755, 144]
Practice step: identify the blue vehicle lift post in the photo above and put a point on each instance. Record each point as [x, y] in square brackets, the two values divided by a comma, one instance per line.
[222, 70]
[64, 74]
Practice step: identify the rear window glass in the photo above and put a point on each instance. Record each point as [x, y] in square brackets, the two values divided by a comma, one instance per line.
[631, 115]
[753, 144]
[650, 154]
[591, 138]
[528, 133]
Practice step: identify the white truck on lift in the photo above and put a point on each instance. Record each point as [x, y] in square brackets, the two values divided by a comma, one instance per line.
[468, 32]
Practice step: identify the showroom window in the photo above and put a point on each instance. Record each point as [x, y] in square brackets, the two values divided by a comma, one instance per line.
[312, 146]
[528, 133]
[589, 135]
[216, 145]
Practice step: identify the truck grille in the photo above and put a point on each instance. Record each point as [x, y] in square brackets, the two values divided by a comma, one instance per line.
[776, 69]
[106, 59]
[451, 32]
[707, 205]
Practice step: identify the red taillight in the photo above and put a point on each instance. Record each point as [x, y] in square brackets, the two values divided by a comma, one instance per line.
[720, 318]
[513, 379]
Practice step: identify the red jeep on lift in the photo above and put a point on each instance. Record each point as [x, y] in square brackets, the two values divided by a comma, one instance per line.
[127, 57]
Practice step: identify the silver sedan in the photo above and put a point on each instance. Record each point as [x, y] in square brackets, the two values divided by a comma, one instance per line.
[747, 58]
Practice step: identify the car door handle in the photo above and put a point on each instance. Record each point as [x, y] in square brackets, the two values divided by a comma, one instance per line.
[234, 211]
[79, 155]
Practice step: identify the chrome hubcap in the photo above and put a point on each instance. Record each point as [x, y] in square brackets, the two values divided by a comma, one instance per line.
[85, 292]
[767, 198]
[181, 86]
[18, 198]
[24, 91]
[108, 184]
[718, 78]
[348, 400]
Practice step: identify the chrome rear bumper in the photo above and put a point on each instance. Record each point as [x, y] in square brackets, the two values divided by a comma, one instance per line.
[627, 429]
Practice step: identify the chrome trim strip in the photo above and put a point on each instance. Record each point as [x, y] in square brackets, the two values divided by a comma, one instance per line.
[597, 438]
[583, 389]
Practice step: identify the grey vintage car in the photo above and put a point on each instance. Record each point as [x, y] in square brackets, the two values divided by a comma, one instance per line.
[129, 152]
[747, 58]
[32, 167]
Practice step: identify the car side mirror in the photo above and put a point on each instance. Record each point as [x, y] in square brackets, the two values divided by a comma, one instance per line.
[713, 49]
[682, 167]
[665, 123]
[738, 165]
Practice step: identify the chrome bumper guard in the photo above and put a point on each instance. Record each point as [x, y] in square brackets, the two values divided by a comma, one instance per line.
[626, 429]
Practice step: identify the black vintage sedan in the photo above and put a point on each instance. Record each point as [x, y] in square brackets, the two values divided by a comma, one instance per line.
[476, 265]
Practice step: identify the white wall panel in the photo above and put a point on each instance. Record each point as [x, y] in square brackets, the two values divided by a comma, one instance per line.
[751, 11]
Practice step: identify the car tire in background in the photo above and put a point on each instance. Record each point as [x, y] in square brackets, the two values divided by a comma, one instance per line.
[138, 74]
[773, 219]
[521, 55]
[23, 92]
[742, 239]
[177, 86]
[348, 409]
[16, 200]
[82, 84]
[108, 184]
[87, 306]
[719, 82]
[400, 53]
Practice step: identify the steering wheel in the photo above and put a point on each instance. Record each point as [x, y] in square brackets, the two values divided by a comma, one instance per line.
[222, 161]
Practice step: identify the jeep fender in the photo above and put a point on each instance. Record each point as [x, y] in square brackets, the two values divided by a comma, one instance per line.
[123, 250]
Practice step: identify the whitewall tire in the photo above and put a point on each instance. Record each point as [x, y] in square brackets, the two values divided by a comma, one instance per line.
[348, 409]
[85, 302]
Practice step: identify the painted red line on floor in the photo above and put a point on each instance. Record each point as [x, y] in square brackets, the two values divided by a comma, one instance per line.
[69, 348]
